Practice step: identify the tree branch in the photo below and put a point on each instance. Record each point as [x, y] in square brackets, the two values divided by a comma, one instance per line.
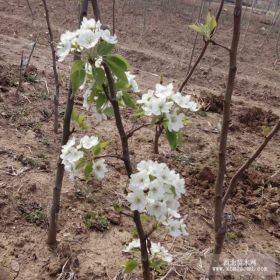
[206, 44]
[245, 166]
[132, 131]
[56, 95]
[214, 43]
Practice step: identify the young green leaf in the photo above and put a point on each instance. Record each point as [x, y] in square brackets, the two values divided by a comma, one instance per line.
[172, 138]
[157, 265]
[88, 170]
[78, 75]
[129, 265]
[104, 48]
[180, 136]
[129, 102]
[118, 60]
[118, 65]
[99, 75]
[197, 28]
[265, 130]
[211, 23]
[101, 100]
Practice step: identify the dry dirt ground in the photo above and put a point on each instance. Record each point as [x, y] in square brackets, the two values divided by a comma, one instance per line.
[156, 44]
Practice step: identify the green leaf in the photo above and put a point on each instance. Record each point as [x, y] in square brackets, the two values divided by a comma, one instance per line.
[172, 138]
[118, 60]
[118, 65]
[88, 170]
[180, 136]
[78, 75]
[129, 265]
[197, 28]
[109, 112]
[99, 75]
[101, 100]
[157, 265]
[129, 102]
[80, 120]
[211, 22]
[265, 130]
[117, 207]
[144, 218]
[139, 112]
[104, 48]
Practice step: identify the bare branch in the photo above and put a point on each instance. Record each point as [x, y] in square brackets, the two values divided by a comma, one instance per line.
[131, 132]
[245, 166]
[214, 43]
[56, 95]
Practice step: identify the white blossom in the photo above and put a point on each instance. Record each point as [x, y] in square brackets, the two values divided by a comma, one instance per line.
[88, 39]
[99, 168]
[175, 121]
[155, 190]
[132, 82]
[137, 200]
[88, 142]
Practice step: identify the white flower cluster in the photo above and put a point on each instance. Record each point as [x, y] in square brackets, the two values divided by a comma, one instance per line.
[71, 155]
[155, 189]
[157, 250]
[87, 37]
[164, 101]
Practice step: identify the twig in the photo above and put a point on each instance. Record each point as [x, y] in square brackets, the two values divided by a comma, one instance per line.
[131, 132]
[196, 35]
[245, 166]
[30, 55]
[20, 75]
[206, 44]
[56, 95]
[109, 156]
[30, 9]
[114, 19]
[214, 43]
[248, 24]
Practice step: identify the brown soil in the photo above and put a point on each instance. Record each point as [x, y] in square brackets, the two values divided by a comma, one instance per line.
[157, 44]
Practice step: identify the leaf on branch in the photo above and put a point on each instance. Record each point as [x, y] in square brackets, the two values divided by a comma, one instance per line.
[104, 48]
[157, 265]
[266, 131]
[129, 102]
[207, 28]
[211, 22]
[172, 139]
[99, 76]
[78, 75]
[88, 170]
[80, 120]
[129, 265]
[101, 100]
[197, 28]
[118, 65]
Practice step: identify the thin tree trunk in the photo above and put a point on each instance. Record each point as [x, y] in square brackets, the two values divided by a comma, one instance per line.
[60, 167]
[56, 95]
[129, 170]
[219, 219]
